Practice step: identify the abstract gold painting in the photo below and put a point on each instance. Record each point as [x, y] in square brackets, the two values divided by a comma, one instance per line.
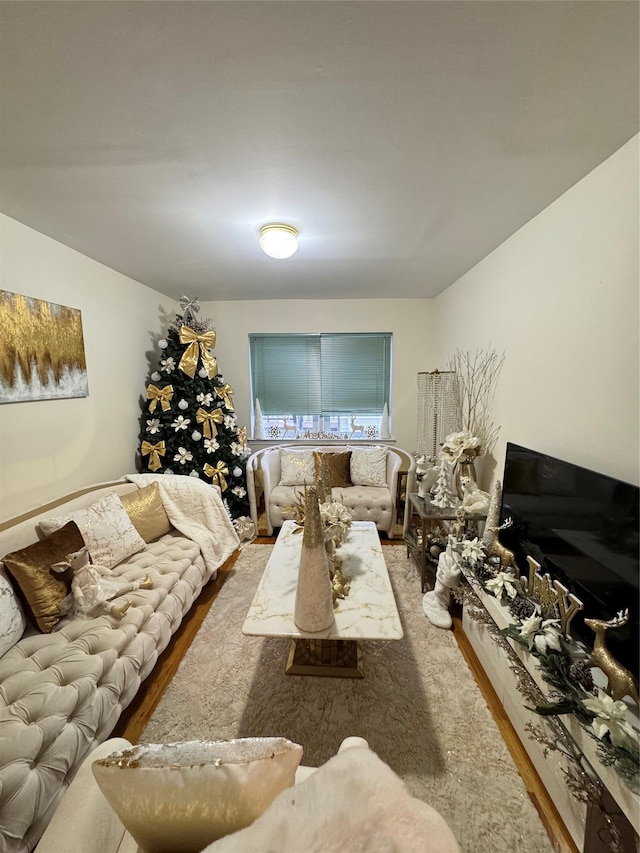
[41, 350]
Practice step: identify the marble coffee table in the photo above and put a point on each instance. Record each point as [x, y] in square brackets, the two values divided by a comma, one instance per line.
[369, 612]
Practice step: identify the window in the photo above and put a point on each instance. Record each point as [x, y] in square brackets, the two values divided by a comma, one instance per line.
[321, 383]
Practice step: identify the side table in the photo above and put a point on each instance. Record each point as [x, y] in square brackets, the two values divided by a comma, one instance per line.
[415, 538]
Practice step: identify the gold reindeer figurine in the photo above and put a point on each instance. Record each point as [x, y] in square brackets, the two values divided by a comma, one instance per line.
[497, 549]
[620, 682]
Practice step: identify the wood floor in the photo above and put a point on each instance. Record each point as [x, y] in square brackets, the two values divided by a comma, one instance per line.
[134, 719]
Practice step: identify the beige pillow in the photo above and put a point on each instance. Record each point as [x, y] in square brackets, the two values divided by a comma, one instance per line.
[106, 529]
[144, 508]
[297, 468]
[41, 589]
[338, 466]
[369, 466]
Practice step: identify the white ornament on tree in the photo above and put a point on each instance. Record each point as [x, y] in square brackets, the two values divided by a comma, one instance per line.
[195, 435]
[194, 474]
[156, 376]
[163, 343]
[237, 472]
[182, 404]
[202, 373]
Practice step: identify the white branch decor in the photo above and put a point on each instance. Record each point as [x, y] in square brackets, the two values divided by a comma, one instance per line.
[477, 375]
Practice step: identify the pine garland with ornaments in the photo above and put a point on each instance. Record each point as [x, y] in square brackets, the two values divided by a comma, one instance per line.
[189, 425]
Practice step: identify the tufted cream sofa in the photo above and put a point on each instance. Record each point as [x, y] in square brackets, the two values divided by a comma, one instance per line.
[365, 503]
[62, 693]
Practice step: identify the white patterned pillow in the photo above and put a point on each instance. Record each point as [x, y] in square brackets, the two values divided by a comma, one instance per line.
[297, 468]
[106, 529]
[12, 621]
[369, 466]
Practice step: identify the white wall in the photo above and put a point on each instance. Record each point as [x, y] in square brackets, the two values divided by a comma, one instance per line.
[410, 321]
[51, 447]
[560, 297]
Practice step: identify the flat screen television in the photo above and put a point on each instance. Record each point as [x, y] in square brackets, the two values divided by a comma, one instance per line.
[582, 527]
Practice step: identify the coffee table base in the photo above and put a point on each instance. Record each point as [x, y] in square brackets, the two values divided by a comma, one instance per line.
[328, 658]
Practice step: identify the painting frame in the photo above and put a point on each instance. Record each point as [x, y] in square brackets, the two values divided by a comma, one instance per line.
[42, 354]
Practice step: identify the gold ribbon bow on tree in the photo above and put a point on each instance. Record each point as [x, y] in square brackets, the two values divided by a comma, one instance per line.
[209, 419]
[225, 395]
[154, 451]
[162, 395]
[198, 346]
[217, 474]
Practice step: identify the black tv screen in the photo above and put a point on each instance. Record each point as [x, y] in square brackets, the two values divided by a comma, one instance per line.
[582, 527]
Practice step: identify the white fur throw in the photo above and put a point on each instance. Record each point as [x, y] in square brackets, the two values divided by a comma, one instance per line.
[354, 803]
[196, 510]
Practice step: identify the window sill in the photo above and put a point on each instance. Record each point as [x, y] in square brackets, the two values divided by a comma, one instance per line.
[261, 443]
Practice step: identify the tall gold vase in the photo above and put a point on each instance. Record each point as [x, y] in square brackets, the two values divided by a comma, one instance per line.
[314, 601]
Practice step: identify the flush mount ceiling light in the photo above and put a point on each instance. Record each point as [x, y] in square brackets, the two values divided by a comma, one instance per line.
[278, 240]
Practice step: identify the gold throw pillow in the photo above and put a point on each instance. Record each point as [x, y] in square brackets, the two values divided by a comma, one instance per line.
[338, 465]
[144, 508]
[41, 589]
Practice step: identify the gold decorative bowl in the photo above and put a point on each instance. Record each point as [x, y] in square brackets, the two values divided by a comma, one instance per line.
[180, 797]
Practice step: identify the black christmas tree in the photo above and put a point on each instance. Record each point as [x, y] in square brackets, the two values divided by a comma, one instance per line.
[189, 425]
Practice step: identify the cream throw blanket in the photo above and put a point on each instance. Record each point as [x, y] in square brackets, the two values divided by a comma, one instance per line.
[354, 803]
[196, 510]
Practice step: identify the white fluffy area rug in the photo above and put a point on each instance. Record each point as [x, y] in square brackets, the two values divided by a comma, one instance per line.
[418, 707]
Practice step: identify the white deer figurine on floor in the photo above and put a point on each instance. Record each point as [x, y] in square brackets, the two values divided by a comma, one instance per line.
[356, 427]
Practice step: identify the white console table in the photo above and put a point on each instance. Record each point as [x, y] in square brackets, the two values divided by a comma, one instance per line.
[581, 820]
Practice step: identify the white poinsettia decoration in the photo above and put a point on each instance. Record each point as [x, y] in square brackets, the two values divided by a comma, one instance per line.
[503, 584]
[183, 455]
[180, 423]
[205, 399]
[211, 445]
[609, 717]
[236, 448]
[543, 634]
[230, 421]
[471, 550]
[459, 445]
[168, 364]
[336, 521]
[153, 426]
[239, 491]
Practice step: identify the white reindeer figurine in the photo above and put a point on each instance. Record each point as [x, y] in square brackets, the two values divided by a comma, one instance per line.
[620, 682]
[290, 425]
[356, 427]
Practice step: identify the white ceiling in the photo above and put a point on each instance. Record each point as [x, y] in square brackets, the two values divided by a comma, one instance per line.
[404, 140]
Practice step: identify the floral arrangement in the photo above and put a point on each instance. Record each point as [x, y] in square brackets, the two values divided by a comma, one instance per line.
[335, 518]
[563, 665]
[477, 375]
[460, 447]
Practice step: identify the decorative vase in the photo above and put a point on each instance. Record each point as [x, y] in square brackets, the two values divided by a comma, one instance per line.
[314, 601]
